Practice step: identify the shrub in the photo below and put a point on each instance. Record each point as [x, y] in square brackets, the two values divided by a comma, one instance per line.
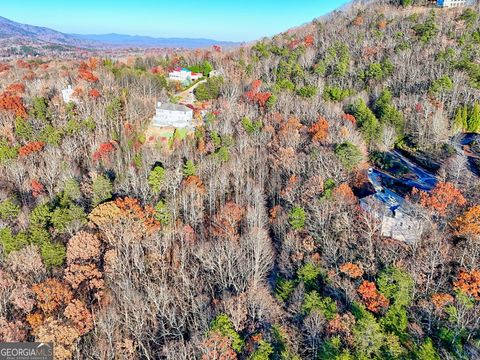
[366, 120]
[262, 352]
[210, 89]
[162, 213]
[7, 152]
[11, 242]
[40, 109]
[387, 113]
[426, 31]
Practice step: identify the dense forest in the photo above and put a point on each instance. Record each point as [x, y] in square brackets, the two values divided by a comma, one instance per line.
[246, 239]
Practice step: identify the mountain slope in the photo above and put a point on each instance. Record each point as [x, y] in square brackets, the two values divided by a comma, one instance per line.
[12, 29]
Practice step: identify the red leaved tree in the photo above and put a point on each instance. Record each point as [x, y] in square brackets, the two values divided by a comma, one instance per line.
[372, 299]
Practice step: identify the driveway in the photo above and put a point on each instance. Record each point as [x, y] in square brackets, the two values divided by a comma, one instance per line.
[187, 96]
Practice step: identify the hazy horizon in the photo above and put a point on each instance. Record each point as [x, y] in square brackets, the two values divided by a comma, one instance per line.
[245, 21]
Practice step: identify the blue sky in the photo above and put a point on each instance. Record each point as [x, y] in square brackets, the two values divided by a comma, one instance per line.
[237, 20]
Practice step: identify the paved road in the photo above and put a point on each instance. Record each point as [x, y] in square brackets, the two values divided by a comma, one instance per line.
[388, 186]
[422, 179]
[461, 143]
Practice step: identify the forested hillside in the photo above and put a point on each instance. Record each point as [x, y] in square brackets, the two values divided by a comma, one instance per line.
[246, 239]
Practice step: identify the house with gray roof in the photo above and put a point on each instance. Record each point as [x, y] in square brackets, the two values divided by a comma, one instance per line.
[173, 115]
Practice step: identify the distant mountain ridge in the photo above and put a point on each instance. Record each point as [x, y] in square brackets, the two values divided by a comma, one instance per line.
[114, 39]
[13, 30]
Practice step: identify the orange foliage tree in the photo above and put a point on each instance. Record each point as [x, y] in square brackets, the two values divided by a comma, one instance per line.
[350, 118]
[80, 316]
[104, 150]
[319, 130]
[128, 211]
[85, 73]
[442, 198]
[468, 224]
[352, 270]
[469, 283]
[37, 188]
[31, 148]
[94, 93]
[52, 294]
[440, 300]
[309, 40]
[15, 89]
[227, 219]
[13, 104]
[344, 193]
[255, 96]
[83, 247]
[372, 299]
[218, 347]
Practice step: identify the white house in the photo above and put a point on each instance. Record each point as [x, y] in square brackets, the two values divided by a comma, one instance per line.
[451, 3]
[67, 94]
[184, 75]
[173, 115]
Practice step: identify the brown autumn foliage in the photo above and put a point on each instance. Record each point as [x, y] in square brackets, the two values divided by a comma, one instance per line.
[85, 274]
[61, 334]
[12, 331]
[116, 216]
[371, 298]
[13, 104]
[15, 89]
[31, 148]
[344, 193]
[442, 198]
[194, 183]
[342, 325]
[225, 222]
[80, 316]
[440, 300]
[218, 347]
[83, 246]
[468, 283]
[468, 224]
[319, 130]
[22, 297]
[52, 294]
[352, 270]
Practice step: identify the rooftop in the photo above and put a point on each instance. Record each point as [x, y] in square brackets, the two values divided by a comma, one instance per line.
[172, 107]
